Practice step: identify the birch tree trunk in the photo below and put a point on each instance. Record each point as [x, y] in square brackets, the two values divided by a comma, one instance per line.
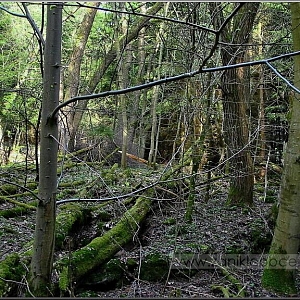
[43, 249]
[285, 243]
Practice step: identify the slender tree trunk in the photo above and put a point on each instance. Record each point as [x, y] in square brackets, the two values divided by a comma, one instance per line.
[154, 129]
[285, 243]
[261, 117]
[141, 96]
[70, 122]
[111, 55]
[153, 126]
[43, 248]
[123, 80]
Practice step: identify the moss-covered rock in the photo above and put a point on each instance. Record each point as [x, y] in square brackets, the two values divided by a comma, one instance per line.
[154, 267]
[110, 276]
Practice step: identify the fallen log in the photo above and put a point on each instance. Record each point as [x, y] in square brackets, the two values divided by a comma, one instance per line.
[103, 248]
[81, 262]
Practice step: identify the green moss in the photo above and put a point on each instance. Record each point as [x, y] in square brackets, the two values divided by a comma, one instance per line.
[64, 279]
[72, 183]
[21, 209]
[111, 275]
[70, 216]
[103, 215]
[10, 269]
[234, 249]
[154, 268]
[102, 248]
[131, 264]
[204, 248]
[279, 280]
[270, 199]
[170, 221]
[8, 189]
[32, 185]
[87, 294]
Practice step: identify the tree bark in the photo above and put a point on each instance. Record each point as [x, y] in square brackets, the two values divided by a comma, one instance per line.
[43, 249]
[285, 241]
[236, 90]
[123, 80]
[72, 77]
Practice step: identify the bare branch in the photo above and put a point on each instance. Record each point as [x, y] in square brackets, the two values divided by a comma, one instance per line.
[218, 33]
[175, 78]
[22, 187]
[12, 13]
[152, 17]
[33, 25]
[282, 78]
[134, 193]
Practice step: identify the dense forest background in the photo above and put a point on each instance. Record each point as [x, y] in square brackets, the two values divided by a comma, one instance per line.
[168, 114]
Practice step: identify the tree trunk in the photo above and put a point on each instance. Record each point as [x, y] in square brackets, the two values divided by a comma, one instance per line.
[123, 81]
[111, 55]
[285, 241]
[156, 89]
[235, 85]
[69, 122]
[141, 96]
[43, 249]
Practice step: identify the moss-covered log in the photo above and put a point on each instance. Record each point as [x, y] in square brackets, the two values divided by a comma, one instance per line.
[11, 268]
[71, 215]
[20, 209]
[226, 290]
[102, 248]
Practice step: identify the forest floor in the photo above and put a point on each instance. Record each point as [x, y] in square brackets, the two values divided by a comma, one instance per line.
[216, 229]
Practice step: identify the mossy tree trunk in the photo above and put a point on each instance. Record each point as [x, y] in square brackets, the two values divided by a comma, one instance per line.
[287, 231]
[44, 235]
